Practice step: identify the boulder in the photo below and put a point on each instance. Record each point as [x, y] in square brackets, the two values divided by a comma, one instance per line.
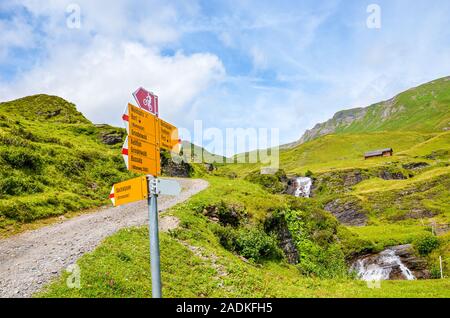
[111, 138]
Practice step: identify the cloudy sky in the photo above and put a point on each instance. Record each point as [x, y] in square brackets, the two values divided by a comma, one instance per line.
[273, 64]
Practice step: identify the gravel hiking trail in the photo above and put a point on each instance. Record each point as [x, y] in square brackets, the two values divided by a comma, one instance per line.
[30, 260]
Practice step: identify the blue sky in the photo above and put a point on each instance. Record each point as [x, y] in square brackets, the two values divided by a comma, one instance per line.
[273, 64]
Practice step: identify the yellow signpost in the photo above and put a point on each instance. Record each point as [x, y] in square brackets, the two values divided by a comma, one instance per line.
[147, 134]
[143, 125]
[169, 137]
[129, 191]
[143, 157]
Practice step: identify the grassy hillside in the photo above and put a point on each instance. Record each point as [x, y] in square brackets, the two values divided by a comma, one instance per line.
[201, 258]
[424, 108]
[421, 109]
[53, 160]
[344, 151]
[193, 153]
[414, 123]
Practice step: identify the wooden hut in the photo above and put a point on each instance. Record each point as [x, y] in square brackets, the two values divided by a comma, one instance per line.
[387, 152]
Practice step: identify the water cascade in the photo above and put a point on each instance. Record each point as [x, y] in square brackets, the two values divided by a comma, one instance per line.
[302, 187]
[382, 266]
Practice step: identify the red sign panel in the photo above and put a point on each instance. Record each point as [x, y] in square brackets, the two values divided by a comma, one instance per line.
[146, 100]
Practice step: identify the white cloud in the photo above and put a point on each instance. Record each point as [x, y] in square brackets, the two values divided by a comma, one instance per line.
[100, 79]
[16, 33]
[116, 50]
[290, 66]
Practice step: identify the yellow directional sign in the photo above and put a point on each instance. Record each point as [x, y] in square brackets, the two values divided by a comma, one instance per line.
[143, 125]
[129, 191]
[147, 134]
[141, 156]
[169, 137]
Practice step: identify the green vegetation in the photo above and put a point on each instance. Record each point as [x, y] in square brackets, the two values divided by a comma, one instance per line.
[53, 161]
[252, 243]
[274, 183]
[315, 235]
[426, 244]
[196, 264]
[424, 108]
[402, 197]
[383, 235]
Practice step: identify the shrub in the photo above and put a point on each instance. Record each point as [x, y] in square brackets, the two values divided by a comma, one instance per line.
[426, 244]
[227, 237]
[71, 166]
[90, 155]
[314, 234]
[435, 271]
[22, 158]
[251, 243]
[324, 262]
[107, 173]
[257, 245]
[123, 257]
[19, 185]
[12, 140]
[274, 183]
[17, 210]
[84, 130]
[24, 134]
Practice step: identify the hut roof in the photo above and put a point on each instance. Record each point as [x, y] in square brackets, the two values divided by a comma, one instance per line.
[377, 152]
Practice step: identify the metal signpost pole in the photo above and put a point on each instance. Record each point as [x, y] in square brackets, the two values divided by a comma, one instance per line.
[154, 237]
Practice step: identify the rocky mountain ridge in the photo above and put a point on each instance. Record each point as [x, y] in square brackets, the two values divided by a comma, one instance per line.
[423, 108]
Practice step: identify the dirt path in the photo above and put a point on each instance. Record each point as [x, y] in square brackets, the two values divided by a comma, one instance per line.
[29, 260]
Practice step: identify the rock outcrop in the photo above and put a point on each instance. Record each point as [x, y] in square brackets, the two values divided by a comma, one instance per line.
[342, 118]
[348, 212]
[175, 168]
[225, 214]
[415, 165]
[387, 115]
[279, 226]
[340, 181]
[111, 138]
[386, 174]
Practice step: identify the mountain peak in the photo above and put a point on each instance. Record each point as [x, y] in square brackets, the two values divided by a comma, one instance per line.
[44, 107]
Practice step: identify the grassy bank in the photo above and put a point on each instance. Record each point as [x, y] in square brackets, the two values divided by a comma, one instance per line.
[196, 264]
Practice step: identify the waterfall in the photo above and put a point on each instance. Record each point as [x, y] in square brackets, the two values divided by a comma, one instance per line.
[381, 266]
[303, 187]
